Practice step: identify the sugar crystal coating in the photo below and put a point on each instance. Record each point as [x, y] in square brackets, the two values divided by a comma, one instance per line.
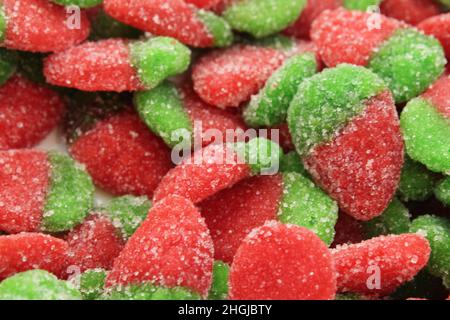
[439, 27]
[91, 283]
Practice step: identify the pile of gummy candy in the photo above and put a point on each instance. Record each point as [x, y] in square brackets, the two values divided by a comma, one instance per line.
[355, 95]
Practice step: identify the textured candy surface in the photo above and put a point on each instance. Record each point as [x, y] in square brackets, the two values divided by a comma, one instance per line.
[52, 33]
[122, 156]
[439, 27]
[262, 17]
[219, 286]
[395, 259]
[279, 261]
[361, 5]
[24, 181]
[171, 248]
[93, 244]
[27, 251]
[91, 283]
[37, 285]
[27, 114]
[410, 11]
[149, 292]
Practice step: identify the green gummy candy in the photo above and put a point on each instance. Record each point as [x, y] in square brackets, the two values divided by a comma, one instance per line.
[159, 58]
[91, 283]
[326, 102]
[446, 3]
[261, 18]
[2, 23]
[262, 155]
[291, 162]
[416, 182]
[78, 3]
[8, 64]
[217, 27]
[442, 191]
[437, 231]
[150, 292]
[163, 112]
[394, 220]
[269, 107]
[306, 205]
[427, 135]
[219, 287]
[70, 197]
[127, 213]
[361, 5]
[409, 62]
[103, 26]
[37, 285]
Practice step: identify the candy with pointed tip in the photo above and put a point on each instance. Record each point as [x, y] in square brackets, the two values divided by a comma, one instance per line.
[28, 251]
[37, 285]
[172, 248]
[39, 26]
[172, 18]
[410, 11]
[217, 167]
[425, 123]
[122, 155]
[406, 59]
[27, 114]
[282, 262]
[380, 265]
[439, 27]
[42, 192]
[179, 116]
[117, 64]
[345, 126]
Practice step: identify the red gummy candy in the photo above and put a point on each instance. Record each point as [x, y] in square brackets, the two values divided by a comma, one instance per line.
[123, 156]
[350, 27]
[348, 230]
[395, 259]
[24, 180]
[233, 213]
[41, 26]
[94, 244]
[205, 173]
[27, 114]
[171, 18]
[439, 95]
[28, 251]
[94, 66]
[410, 11]
[302, 27]
[171, 248]
[361, 167]
[227, 78]
[439, 27]
[204, 4]
[282, 262]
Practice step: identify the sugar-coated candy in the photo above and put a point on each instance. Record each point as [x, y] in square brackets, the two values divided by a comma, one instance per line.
[410, 11]
[394, 220]
[93, 244]
[79, 3]
[204, 4]
[437, 231]
[39, 26]
[219, 286]
[262, 18]
[439, 27]
[42, 191]
[406, 59]
[171, 112]
[37, 285]
[345, 126]
[8, 64]
[172, 18]
[278, 261]
[91, 283]
[148, 291]
[122, 155]
[104, 26]
[27, 251]
[117, 64]
[442, 191]
[360, 5]
[172, 248]
[380, 265]
[416, 182]
[28, 112]
[425, 123]
[217, 167]
[288, 197]
[269, 107]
